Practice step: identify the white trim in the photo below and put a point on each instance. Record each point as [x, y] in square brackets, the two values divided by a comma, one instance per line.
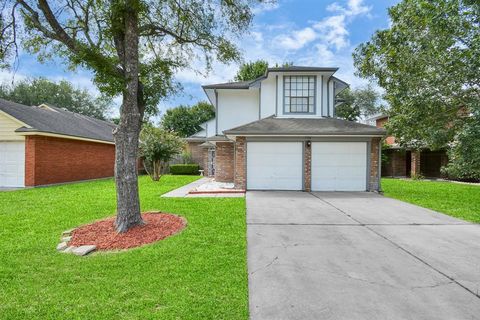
[302, 135]
[47, 134]
[14, 119]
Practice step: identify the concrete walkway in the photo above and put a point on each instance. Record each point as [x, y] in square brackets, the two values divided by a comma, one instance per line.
[183, 191]
[203, 184]
[358, 256]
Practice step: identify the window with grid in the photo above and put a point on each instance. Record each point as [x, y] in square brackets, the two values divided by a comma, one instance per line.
[299, 94]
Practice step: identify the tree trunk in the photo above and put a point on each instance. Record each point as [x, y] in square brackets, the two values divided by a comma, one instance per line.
[127, 133]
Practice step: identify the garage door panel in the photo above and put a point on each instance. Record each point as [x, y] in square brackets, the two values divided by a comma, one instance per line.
[12, 164]
[274, 165]
[346, 159]
[339, 166]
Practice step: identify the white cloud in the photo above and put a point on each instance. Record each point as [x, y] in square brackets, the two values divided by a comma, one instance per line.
[265, 7]
[353, 8]
[297, 40]
[333, 31]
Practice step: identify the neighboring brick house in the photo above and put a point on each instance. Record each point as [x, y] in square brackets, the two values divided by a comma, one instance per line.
[402, 162]
[279, 132]
[47, 145]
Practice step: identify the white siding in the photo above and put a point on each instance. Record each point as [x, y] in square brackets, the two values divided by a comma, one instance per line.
[236, 108]
[7, 129]
[210, 127]
[268, 97]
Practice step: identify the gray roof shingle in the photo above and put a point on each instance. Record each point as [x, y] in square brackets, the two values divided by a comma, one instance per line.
[247, 84]
[58, 121]
[305, 126]
[230, 85]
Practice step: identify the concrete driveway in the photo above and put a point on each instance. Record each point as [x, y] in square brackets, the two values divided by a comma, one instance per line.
[358, 256]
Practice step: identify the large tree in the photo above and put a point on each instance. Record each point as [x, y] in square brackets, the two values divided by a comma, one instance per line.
[251, 70]
[254, 69]
[33, 92]
[428, 62]
[133, 48]
[186, 120]
[358, 103]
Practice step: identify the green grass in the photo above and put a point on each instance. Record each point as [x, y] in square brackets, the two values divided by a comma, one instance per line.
[457, 200]
[197, 274]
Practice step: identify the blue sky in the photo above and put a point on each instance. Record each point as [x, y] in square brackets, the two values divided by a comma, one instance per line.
[305, 32]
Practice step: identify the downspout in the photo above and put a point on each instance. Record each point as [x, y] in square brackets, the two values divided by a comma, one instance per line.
[216, 112]
[328, 96]
[276, 95]
[380, 166]
[260, 102]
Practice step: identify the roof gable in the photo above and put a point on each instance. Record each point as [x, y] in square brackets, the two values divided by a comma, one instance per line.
[49, 119]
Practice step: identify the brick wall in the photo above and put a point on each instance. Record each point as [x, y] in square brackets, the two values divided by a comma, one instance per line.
[240, 164]
[374, 163]
[415, 167]
[396, 166]
[308, 167]
[224, 166]
[54, 160]
[197, 153]
[381, 124]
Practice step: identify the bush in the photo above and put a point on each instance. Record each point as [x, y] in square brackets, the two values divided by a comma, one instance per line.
[184, 169]
[464, 153]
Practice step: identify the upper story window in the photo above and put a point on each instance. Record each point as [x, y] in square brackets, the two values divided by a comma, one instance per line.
[299, 94]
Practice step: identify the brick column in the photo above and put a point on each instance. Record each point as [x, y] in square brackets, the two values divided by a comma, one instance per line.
[240, 169]
[374, 163]
[307, 167]
[30, 161]
[415, 167]
[224, 165]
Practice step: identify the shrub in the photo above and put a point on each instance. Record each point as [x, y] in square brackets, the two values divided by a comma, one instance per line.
[187, 157]
[184, 169]
[157, 147]
[464, 153]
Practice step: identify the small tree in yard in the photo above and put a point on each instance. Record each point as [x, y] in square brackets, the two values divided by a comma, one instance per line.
[133, 48]
[157, 147]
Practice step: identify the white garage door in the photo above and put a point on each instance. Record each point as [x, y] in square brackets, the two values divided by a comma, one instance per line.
[274, 166]
[12, 164]
[339, 166]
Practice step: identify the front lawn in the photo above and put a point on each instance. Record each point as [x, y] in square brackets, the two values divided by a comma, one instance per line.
[457, 200]
[197, 274]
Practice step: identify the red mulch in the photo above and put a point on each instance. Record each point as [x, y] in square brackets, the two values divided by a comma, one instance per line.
[103, 234]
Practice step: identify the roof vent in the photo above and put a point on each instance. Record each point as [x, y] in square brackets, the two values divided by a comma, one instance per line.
[44, 106]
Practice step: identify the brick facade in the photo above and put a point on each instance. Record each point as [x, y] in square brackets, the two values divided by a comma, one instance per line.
[381, 124]
[224, 162]
[396, 165]
[55, 160]
[307, 167]
[240, 163]
[415, 163]
[374, 164]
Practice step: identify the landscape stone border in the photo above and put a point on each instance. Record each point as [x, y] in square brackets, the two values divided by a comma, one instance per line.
[79, 251]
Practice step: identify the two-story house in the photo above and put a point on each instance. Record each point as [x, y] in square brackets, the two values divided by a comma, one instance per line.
[279, 132]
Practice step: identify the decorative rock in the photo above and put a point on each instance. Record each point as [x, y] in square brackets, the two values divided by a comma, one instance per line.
[62, 246]
[68, 250]
[67, 239]
[83, 250]
[67, 232]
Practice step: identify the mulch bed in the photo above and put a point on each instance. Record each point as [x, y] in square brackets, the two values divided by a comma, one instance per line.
[103, 234]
